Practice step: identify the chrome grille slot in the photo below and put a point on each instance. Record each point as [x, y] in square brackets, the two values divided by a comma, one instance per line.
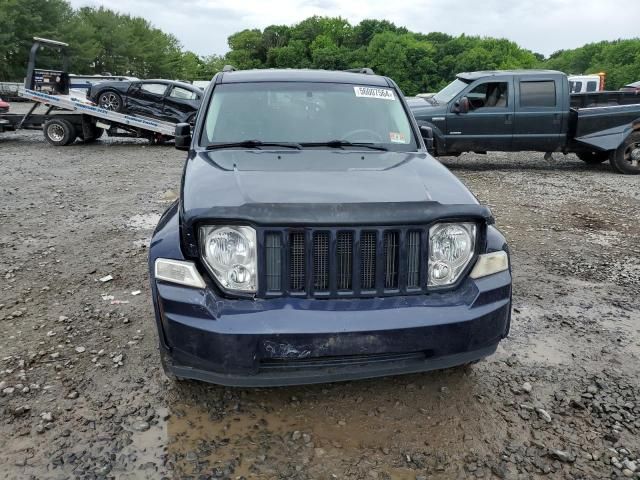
[297, 270]
[321, 261]
[273, 261]
[344, 261]
[413, 259]
[391, 257]
[368, 260]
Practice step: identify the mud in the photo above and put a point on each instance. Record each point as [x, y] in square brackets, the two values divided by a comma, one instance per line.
[83, 394]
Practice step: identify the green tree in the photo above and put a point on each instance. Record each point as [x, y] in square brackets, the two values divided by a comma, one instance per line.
[619, 59]
[247, 49]
[102, 40]
[20, 21]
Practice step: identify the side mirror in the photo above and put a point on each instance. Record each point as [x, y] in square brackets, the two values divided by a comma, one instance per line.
[461, 106]
[183, 136]
[427, 135]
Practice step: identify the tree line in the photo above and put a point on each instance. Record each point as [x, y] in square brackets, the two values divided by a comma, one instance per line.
[102, 40]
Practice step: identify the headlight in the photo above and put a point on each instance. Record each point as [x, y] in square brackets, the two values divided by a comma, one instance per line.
[230, 254]
[451, 248]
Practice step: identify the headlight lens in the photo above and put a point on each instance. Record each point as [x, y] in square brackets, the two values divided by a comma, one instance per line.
[451, 248]
[230, 253]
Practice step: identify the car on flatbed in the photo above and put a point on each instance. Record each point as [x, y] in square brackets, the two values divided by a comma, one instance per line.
[519, 110]
[166, 100]
[316, 240]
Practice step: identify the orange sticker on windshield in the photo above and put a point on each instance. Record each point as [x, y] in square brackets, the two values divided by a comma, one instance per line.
[397, 137]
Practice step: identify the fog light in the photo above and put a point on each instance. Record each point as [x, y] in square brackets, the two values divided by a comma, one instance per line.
[239, 275]
[177, 271]
[440, 271]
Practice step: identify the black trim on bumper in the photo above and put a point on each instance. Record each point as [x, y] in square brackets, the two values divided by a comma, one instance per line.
[289, 375]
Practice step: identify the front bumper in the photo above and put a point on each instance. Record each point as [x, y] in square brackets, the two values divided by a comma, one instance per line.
[287, 341]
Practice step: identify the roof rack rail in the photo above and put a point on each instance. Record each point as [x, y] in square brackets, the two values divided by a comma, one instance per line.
[229, 68]
[365, 70]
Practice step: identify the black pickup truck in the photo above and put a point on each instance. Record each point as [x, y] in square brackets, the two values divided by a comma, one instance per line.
[531, 110]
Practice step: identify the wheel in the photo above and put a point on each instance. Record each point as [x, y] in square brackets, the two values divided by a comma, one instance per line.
[626, 159]
[59, 131]
[110, 100]
[96, 133]
[593, 158]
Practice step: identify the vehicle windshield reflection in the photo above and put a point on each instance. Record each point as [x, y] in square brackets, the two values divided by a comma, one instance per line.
[447, 93]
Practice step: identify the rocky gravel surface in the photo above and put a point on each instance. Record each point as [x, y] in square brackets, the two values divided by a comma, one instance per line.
[82, 393]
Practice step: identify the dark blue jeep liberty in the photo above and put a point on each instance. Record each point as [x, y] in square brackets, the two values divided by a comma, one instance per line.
[316, 240]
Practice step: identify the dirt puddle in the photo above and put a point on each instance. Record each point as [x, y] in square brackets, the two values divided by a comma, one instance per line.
[270, 432]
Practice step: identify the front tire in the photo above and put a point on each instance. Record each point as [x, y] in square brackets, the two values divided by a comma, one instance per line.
[626, 159]
[96, 133]
[59, 132]
[110, 100]
[593, 158]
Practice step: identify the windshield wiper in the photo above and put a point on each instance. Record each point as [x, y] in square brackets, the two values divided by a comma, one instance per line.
[253, 144]
[345, 143]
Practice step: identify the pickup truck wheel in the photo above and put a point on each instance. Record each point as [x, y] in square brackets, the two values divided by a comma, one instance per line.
[59, 132]
[593, 158]
[626, 159]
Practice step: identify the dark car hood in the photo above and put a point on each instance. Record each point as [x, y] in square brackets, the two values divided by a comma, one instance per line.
[320, 187]
[425, 111]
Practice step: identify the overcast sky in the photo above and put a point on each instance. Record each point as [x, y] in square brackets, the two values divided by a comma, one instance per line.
[543, 26]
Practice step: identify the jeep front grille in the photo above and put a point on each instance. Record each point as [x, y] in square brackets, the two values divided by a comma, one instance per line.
[327, 262]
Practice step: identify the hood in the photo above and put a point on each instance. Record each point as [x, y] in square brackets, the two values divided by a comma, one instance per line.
[319, 187]
[233, 177]
[425, 111]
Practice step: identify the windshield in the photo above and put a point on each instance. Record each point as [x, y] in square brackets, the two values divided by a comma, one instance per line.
[450, 91]
[307, 113]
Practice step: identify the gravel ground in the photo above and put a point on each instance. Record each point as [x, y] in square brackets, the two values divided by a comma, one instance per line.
[82, 394]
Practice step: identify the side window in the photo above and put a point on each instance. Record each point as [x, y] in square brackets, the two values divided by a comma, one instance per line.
[576, 87]
[592, 86]
[183, 93]
[538, 94]
[154, 88]
[489, 95]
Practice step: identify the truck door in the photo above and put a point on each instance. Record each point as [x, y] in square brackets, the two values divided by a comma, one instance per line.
[541, 115]
[488, 123]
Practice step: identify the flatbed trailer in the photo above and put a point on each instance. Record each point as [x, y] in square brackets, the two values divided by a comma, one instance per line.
[68, 117]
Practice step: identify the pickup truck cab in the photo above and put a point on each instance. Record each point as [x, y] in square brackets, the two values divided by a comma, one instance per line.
[316, 240]
[520, 110]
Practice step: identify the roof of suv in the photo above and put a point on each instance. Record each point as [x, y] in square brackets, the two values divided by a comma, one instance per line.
[303, 75]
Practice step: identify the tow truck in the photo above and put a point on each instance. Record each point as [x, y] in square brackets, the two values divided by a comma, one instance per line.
[67, 116]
